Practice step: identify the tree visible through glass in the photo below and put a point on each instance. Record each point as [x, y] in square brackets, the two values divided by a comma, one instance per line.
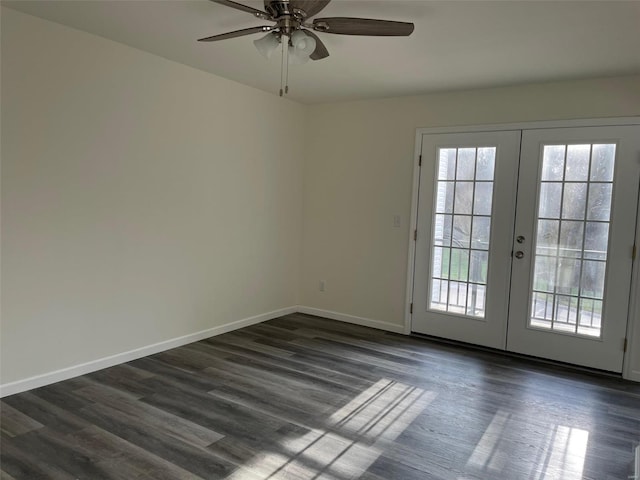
[572, 238]
[461, 230]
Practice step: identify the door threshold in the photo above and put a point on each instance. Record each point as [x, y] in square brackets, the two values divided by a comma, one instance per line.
[520, 356]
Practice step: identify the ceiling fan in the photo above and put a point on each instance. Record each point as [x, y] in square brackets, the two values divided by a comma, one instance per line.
[293, 22]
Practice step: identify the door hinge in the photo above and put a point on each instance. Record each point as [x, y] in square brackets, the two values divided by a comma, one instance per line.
[420, 161]
[633, 252]
[415, 235]
[624, 345]
[411, 308]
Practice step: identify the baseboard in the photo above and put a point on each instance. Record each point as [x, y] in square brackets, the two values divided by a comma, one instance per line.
[633, 375]
[110, 361]
[99, 364]
[343, 317]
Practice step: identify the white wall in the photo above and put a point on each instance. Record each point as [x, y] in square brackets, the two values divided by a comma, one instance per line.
[359, 169]
[142, 200]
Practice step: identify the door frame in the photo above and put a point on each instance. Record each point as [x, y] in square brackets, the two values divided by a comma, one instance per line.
[629, 370]
[634, 306]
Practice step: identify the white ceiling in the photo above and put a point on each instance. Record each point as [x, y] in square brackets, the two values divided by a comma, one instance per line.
[456, 44]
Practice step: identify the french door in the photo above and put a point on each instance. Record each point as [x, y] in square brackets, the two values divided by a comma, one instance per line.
[465, 225]
[548, 278]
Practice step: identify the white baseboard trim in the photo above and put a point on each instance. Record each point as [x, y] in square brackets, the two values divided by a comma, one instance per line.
[95, 365]
[105, 362]
[634, 376]
[343, 317]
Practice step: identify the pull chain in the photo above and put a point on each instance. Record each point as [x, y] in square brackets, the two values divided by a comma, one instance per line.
[284, 46]
[286, 63]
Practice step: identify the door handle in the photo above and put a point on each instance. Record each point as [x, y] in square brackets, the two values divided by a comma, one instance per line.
[519, 254]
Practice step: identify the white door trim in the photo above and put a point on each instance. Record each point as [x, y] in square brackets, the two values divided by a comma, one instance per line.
[495, 127]
[630, 371]
[413, 225]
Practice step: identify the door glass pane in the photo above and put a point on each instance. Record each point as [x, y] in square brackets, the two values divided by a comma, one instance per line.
[602, 163]
[599, 205]
[577, 163]
[544, 279]
[596, 240]
[462, 221]
[447, 165]
[485, 163]
[463, 201]
[481, 231]
[553, 166]
[442, 233]
[482, 199]
[466, 164]
[572, 238]
[574, 200]
[444, 198]
[461, 231]
[550, 200]
[547, 237]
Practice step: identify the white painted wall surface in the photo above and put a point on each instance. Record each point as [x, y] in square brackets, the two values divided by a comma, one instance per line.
[142, 200]
[358, 175]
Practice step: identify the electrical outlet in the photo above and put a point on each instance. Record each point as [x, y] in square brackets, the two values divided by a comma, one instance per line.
[322, 285]
[396, 221]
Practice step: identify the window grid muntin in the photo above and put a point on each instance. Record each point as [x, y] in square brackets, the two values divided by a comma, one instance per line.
[464, 286]
[587, 305]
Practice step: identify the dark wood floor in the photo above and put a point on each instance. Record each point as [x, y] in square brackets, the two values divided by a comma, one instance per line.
[307, 398]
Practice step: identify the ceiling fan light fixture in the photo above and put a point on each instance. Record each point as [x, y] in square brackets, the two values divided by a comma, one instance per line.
[303, 44]
[296, 57]
[267, 45]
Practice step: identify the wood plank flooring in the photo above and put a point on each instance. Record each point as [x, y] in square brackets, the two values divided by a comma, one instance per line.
[302, 397]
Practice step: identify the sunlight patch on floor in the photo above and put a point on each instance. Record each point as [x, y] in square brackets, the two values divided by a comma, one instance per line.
[561, 455]
[382, 411]
[344, 449]
[565, 455]
[487, 453]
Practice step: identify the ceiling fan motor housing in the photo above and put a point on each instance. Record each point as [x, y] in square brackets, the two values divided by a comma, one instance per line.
[280, 8]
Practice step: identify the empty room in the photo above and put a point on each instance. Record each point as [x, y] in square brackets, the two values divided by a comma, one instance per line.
[320, 239]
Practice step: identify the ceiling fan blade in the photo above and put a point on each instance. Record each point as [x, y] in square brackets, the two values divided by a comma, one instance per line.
[363, 26]
[321, 51]
[310, 7]
[236, 33]
[244, 8]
